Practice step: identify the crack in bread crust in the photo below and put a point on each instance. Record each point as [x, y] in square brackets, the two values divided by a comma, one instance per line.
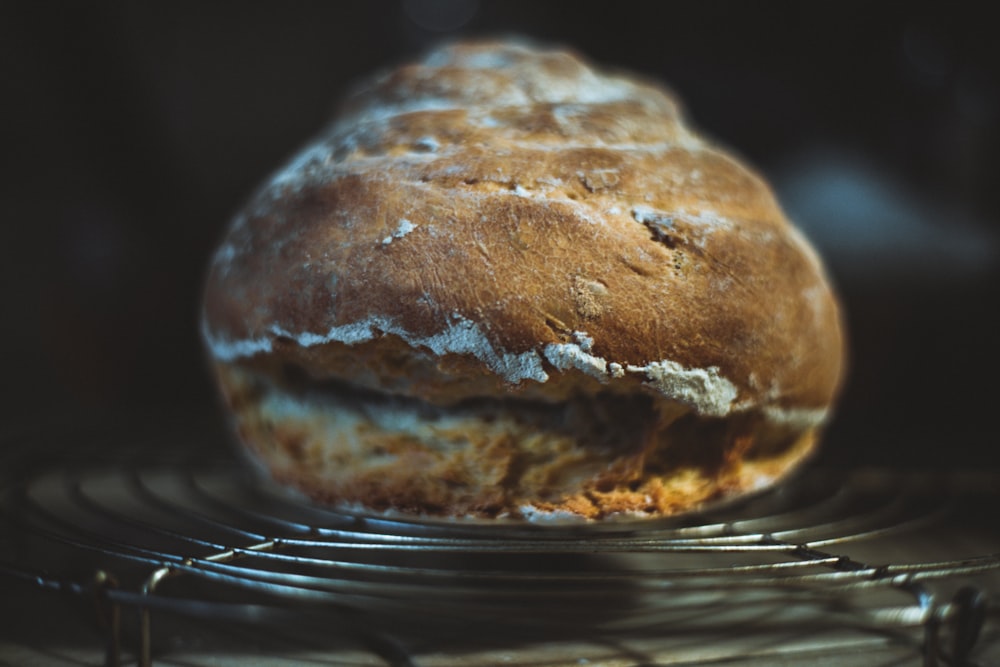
[589, 457]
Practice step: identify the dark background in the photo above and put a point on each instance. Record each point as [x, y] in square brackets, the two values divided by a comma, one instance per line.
[132, 131]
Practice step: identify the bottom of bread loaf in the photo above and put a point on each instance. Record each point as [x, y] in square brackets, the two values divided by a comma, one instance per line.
[588, 458]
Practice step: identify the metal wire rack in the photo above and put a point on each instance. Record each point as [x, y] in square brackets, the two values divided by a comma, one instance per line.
[176, 552]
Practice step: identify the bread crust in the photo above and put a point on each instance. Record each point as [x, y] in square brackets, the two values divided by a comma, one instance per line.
[504, 220]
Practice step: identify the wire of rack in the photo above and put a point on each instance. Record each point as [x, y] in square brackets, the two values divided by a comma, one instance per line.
[171, 528]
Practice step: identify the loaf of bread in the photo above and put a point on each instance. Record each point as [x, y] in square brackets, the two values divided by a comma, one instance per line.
[505, 284]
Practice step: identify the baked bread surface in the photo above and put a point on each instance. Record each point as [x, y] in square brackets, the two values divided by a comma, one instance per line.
[504, 283]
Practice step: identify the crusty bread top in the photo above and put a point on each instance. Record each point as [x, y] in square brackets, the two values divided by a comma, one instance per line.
[514, 216]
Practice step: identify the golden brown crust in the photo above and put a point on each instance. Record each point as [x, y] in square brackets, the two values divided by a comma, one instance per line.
[503, 219]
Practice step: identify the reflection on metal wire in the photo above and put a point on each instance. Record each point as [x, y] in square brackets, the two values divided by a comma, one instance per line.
[204, 538]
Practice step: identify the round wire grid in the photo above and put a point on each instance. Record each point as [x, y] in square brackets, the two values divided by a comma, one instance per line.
[175, 551]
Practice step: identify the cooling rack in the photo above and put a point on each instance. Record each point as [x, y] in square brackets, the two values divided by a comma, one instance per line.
[163, 546]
